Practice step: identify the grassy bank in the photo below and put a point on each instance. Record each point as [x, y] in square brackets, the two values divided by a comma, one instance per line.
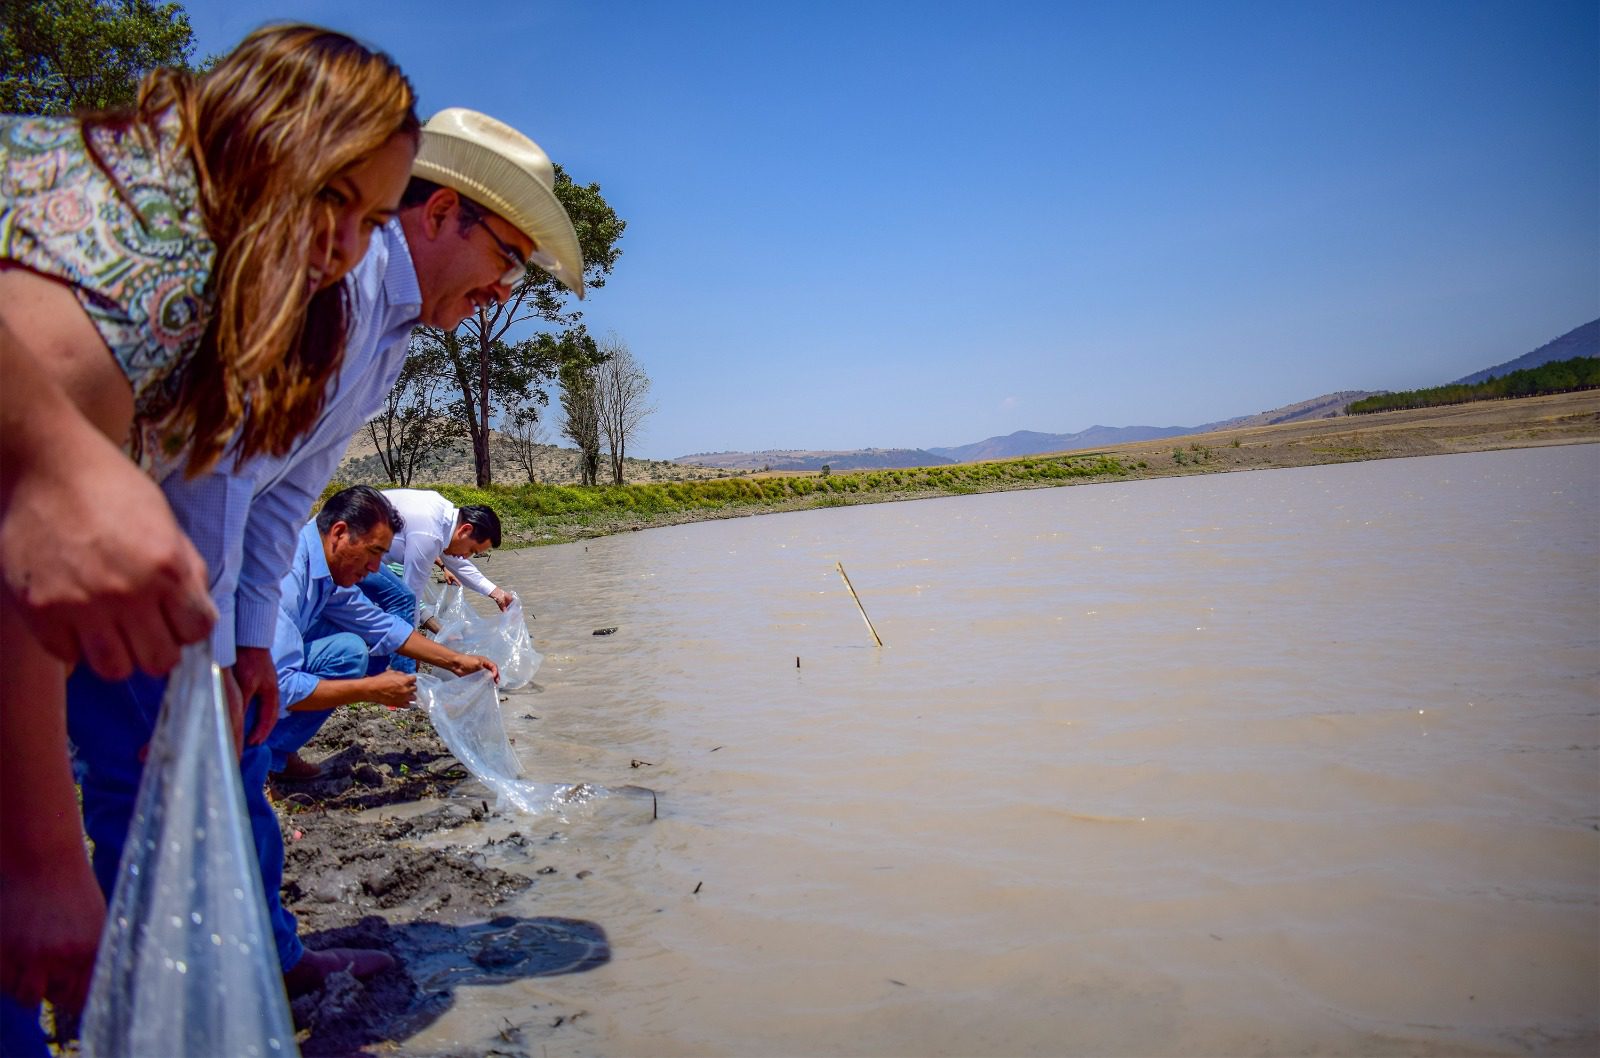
[548, 514]
[543, 514]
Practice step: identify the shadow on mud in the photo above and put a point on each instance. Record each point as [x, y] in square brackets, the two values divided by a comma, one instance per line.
[435, 959]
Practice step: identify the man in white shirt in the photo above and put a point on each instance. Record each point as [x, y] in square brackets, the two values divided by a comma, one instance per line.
[435, 530]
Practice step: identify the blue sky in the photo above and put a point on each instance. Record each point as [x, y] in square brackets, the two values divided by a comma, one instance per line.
[915, 224]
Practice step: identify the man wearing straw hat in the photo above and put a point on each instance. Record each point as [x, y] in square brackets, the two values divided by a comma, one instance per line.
[481, 208]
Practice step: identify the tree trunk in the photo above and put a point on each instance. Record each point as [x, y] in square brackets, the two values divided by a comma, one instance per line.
[480, 435]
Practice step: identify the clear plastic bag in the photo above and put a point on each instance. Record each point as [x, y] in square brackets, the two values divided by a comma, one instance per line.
[503, 639]
[432, 597]
[187, 965]
[466, 713]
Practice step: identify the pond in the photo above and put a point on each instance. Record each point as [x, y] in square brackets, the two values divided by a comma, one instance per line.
[1284, 761]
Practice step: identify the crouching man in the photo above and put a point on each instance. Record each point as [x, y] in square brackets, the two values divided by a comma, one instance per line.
[332, 644]
[432, 530]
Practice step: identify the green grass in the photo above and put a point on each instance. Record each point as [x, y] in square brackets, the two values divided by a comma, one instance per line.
[538, 514]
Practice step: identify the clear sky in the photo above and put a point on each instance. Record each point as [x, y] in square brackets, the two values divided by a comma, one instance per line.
[872, 224]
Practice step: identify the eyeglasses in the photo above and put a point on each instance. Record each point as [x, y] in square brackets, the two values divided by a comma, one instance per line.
[519, 267]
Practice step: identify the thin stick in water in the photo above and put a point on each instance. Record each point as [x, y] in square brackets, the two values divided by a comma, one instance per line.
[875, 637]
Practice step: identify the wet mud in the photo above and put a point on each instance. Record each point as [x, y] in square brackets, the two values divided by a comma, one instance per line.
[369, 863]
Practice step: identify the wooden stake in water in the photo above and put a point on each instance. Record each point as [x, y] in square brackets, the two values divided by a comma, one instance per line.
[875, 637]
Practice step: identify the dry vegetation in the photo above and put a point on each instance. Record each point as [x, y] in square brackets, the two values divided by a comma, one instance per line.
[554, 466]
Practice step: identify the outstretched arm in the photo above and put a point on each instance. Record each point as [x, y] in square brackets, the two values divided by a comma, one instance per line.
[88, 547]
[420, 648]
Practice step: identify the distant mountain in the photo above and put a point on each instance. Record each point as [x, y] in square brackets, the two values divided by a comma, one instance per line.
[1031, 442]
[1021, 443]
[1580, 341]
[1584, 341]
[1326, 406]
[793, 459]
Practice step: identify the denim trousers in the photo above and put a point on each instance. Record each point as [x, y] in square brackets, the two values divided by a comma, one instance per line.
[20, 1034]
[333, 655]
[392, 596]
[110, 722]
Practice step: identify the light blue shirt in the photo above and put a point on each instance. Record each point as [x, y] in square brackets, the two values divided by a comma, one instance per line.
[308, 595]
[243, 518]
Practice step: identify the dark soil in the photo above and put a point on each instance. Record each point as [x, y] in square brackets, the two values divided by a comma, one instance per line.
[355, 881]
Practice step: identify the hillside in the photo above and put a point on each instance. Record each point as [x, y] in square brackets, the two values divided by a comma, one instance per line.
[544, 514]
[1031, 442]
[1580, 341]
[1011, 446]
[554, 466]
[796, 459]
[1327, 406]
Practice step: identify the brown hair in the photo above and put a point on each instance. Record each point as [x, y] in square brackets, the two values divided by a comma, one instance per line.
[277, 119]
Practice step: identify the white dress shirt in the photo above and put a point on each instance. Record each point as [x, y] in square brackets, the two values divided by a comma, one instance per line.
[430, 521]
[244, 519]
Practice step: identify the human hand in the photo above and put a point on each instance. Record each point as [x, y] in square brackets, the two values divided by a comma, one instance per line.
[51, 915]
[235, 701]
[258, 679]
[449, 578]
[465, 664]
[397, 690]
[92, 556]
[502, 598]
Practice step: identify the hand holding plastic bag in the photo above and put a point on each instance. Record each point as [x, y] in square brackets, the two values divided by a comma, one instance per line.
[503, 639]
[187, 967]
[466, 713]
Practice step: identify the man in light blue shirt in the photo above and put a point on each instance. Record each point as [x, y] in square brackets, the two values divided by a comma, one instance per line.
[481, 208]
[332, 643]
[327, 633]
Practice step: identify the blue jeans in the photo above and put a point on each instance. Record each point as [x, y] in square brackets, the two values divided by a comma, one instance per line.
[332, 655]
[110, 723]
[392, 596]
[20, 1034]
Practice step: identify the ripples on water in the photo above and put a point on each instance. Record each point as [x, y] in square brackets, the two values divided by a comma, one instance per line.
[1290, 761]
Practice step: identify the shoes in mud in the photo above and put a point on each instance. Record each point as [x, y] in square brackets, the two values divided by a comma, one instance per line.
[315, 967]
[297, 769]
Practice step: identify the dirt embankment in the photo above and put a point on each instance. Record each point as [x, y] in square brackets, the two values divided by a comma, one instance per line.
[1563, 418]
[369, 862]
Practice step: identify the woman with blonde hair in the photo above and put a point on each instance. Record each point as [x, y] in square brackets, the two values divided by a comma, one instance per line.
[169, 289]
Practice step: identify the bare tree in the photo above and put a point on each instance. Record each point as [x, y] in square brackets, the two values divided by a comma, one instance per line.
[621, 388]
[523, 437]
[582, 425]
[414, 423]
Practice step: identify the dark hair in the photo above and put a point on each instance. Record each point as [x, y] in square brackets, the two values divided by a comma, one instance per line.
[485, 523]
[419, 191]
[362, 508]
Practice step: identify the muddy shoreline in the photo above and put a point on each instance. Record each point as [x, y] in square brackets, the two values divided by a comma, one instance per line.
[372, 860]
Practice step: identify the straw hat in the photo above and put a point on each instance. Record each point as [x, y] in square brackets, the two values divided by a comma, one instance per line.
[502, 170]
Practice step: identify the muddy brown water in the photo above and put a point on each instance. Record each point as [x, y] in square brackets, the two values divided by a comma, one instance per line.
[1299, 761]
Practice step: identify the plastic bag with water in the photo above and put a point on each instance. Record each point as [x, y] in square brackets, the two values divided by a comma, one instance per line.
[187, 966]
[466, 713]
[503, 639]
